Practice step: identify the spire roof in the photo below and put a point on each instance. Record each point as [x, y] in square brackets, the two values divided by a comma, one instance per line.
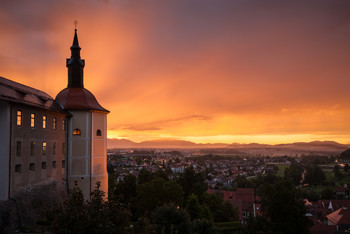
[75, 41]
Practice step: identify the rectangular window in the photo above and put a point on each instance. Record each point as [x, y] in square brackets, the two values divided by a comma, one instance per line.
[44, 148]
[18, 168]
[64, 124]
[44, 121]
[32, 148]
[63, 148]
[54, 148]
[54, 123]
[63, 163]
[19, 118]
[18, 148]
[32, 120]
[43, 165]
[53, 164]
[32, 167]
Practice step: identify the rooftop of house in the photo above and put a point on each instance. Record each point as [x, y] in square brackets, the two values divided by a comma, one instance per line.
[78, 99]
[18, 93]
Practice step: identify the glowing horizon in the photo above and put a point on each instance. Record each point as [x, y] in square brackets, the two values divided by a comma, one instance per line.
[206, 72]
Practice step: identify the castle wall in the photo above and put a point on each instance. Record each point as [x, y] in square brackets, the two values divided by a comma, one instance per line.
[79, 151]
[37, 151]
[5, 113]
[99, 150]
[88, 151]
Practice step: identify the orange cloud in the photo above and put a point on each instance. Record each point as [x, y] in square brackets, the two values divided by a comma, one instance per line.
[208, 71]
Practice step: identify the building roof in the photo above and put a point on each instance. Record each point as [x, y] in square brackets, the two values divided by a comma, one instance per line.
[335, 216]
[18, 93]
[75, 96]
[340, 216]
[78, 99]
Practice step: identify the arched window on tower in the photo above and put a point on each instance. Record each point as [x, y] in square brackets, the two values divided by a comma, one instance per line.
[76, 132]
[98, 132]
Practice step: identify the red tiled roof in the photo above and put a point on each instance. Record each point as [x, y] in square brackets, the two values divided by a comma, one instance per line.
[18, 93]
[335, 216]
[78, 99]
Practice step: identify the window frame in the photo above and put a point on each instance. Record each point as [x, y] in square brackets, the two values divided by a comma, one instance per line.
[44, 148]
[54, 123]
[44, 121]
[19, 118]
[18, 148]
[32, 120]
[76, 132]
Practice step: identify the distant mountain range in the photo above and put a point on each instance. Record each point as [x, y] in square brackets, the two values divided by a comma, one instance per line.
[317, 147]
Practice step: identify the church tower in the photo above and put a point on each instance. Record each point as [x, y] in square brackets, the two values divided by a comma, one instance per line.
[86, 129]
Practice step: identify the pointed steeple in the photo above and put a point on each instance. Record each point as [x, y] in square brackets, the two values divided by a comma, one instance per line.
[75, 65]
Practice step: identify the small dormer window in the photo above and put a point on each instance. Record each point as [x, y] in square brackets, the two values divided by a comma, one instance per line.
[98, 132]
[76, 132]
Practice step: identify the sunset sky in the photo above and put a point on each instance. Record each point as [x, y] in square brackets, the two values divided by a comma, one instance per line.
[200, 70]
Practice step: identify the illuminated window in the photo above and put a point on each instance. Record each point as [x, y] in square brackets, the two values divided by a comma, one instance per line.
[64, 124]
[54, 123]
[18, 148]
[32, 166]
[44, 121]
[32, 148]
[19, 118]
[54, 148]
[98, 133]
[32, 120]
[43, 165]
[44, 148]
[76, 131]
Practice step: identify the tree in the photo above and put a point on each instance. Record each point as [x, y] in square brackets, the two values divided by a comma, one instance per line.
[192, 183]
[156, 193]
[282, 210]
[336, 168]
[126, 189]
[327, 193]
[196, 210]
[203, 226]
[346, 168]
[293, 173]
[337, 171]
[95, 216]
[170, 219]
[222, 211]
[314, 175]
[144, 176]
[345, 155]
[111, 184]
[243, 182]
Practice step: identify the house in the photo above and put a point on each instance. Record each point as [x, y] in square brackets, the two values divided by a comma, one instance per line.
[341, 219]
[244, 199]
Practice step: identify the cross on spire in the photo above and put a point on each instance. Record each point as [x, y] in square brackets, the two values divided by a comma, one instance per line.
[75, 24]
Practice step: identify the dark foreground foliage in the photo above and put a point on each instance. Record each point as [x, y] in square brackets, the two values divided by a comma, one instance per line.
[96, 216]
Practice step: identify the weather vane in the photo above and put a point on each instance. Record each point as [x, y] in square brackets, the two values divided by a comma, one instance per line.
[75, 24]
